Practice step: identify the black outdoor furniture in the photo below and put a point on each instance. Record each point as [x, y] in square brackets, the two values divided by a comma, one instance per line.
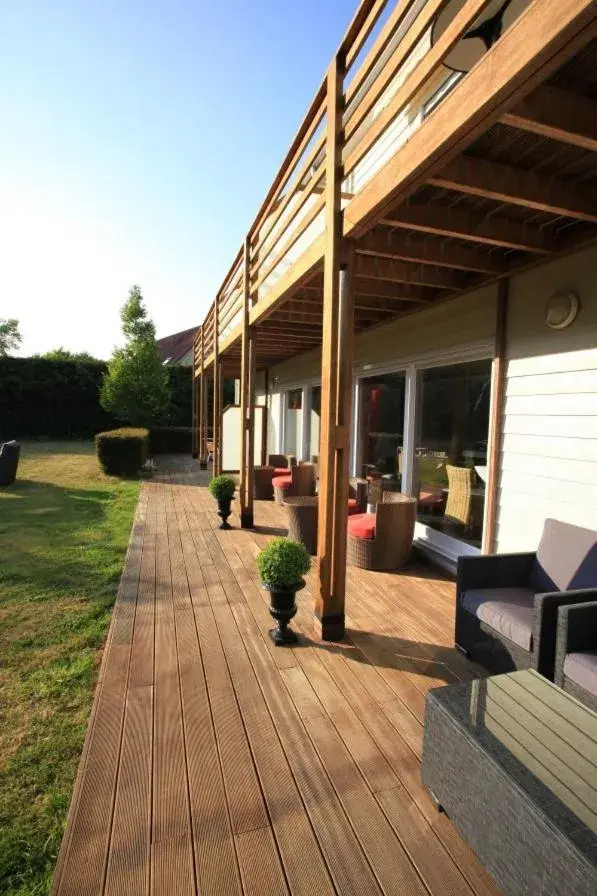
[511, 760]
[507, 604]
[576, 652]
[9, 462]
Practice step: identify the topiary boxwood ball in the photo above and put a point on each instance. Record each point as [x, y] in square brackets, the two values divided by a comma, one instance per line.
[222, 487]
[283, 563]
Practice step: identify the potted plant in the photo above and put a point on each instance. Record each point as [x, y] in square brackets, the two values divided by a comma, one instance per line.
[282, 565]
[223, 488]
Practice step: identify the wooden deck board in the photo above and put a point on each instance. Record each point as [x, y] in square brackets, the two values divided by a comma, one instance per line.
[216, 763]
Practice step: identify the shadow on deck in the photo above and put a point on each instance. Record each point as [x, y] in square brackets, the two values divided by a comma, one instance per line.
[216, 763]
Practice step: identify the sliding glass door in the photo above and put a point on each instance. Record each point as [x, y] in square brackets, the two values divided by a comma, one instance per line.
[293, 413]
[450, 456]
[314, 421]
[381, 424]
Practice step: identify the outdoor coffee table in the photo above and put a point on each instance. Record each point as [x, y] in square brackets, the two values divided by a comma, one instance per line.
[512, 760]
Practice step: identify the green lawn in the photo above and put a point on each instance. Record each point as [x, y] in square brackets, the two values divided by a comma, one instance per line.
[64, 528]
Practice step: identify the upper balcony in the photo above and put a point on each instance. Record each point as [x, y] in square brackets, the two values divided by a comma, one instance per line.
[419, 88]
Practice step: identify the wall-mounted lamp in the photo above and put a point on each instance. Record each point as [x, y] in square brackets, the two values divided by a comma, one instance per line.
[562, 309]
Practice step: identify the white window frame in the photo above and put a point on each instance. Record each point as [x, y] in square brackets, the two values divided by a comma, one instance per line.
[445, 549]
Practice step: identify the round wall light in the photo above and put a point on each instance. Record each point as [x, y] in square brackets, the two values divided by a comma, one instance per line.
[562, 309]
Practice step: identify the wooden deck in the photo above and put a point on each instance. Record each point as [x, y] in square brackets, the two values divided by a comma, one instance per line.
[217, 764]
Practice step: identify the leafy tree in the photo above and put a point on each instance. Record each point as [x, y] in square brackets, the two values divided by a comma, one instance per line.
[63, 354]
[136, 387]
[10, 338]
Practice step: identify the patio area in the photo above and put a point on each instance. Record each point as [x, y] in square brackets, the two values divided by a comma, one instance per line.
[216, 763]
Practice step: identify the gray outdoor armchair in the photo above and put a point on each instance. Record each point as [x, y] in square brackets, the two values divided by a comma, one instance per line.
[9, 462]
[507, 604]
[576, 652]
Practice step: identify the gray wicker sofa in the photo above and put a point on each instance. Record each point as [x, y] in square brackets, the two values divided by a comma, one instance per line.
[507, 604]
[576, 652]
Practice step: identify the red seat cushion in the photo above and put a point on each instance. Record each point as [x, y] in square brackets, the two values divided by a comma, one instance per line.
[282, 482]
[362, 525]
[429, 499]
[352, 506]
[281, 471]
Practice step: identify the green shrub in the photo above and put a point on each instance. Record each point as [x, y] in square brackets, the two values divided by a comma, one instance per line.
[122, 451]
[170, 440]
[283, 563]
[222, 487]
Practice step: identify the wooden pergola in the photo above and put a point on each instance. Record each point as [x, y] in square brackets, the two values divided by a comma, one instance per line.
[499, 176]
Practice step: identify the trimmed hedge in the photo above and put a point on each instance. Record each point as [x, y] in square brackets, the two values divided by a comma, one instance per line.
[40, 398]
[122, 451]
[170, 440]
[45, 399]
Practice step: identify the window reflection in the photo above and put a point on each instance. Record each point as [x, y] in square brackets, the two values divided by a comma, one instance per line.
[451, 448]
[382, 426]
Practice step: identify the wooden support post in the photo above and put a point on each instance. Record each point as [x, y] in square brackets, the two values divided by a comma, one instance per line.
[217, 409]
[217, 422]
[194, 411]
[336, 379]
[265, 420]
[498, 389]
[203, 409]
[247, 401]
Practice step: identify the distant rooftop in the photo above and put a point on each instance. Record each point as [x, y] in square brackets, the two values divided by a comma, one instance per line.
[177, 348]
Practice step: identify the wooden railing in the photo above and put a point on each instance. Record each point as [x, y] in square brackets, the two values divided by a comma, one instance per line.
[393, 79]
[230, 299]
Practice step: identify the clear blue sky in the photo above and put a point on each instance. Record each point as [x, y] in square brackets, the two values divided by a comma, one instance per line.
[137, 142]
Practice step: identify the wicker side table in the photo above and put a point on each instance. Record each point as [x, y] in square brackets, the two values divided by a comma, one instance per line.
[302, 520]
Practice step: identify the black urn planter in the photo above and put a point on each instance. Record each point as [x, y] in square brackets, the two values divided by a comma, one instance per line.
[283, 608]
[224, 512]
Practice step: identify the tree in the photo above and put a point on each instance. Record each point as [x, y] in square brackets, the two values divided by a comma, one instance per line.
[63, 354]
[10, 338]
[136, 387]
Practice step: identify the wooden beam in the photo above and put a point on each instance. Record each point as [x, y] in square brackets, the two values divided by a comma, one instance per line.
[498, 391]
[203, 409]
[336, 368]
[246, 402]
[402, 272]
[295, 276]
[217, 386]
[429, 250]
[502, 183]
[370, 287]
[557, 114]
[454, 223]
[532, 48]
[195, 417]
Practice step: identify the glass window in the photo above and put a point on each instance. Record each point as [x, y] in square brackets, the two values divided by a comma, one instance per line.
[292, 422]
[451, 448]
[295, 399]
[314, 421]
[381, 416]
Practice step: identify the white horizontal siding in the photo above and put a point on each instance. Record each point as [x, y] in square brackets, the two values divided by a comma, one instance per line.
[544, 425]
[557, 446]
[548, 461]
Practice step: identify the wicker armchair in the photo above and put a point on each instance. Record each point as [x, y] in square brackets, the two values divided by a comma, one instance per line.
[460, 490]
[9, 462]
[392, 529]
[281, 461]
[299, 481]
[576, 652]
[263, 490]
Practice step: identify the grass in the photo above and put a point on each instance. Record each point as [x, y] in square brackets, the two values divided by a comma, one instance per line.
[64, 528]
